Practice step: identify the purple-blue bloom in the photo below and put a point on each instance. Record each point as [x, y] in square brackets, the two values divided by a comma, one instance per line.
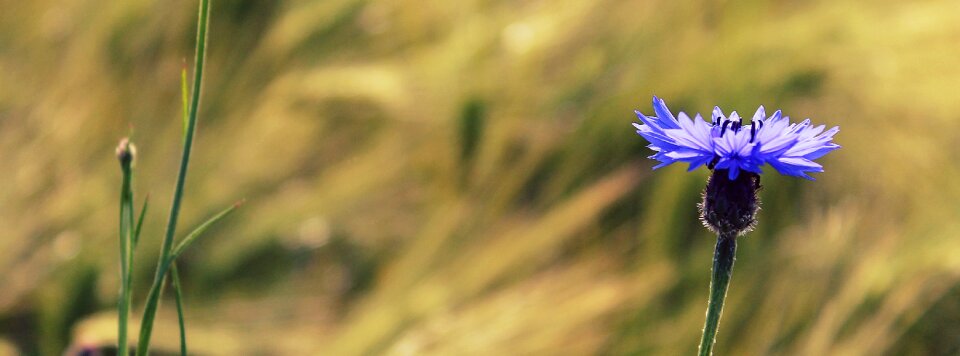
[725, 143]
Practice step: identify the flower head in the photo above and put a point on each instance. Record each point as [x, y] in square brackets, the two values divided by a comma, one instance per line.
[726, 144]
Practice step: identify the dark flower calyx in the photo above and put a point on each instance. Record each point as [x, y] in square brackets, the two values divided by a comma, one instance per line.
[730, 207]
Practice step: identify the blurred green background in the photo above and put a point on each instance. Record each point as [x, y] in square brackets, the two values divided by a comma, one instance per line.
[461, 177]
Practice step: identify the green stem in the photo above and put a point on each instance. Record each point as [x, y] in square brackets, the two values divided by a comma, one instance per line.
[126, 253]
[175, 276]
[153, 298]
[723, 258]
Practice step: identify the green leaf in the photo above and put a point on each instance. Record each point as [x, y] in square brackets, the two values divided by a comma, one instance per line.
[187, 241]
[136, 230]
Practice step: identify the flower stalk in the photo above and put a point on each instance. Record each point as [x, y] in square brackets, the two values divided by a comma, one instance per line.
[125, 154]
[729, 208]
[723, 258]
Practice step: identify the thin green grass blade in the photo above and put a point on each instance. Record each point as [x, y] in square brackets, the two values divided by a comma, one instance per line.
[150, 310]
[136, 231]
[175, 275]
[153, 298]
[185, 93]
[187, 241]
[125, 155]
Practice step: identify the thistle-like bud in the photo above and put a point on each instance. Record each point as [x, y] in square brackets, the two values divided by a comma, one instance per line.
[729, 207]
[126, 152]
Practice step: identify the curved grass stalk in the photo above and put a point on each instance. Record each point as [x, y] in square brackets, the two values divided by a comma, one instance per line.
[153, 298]
[175, 277]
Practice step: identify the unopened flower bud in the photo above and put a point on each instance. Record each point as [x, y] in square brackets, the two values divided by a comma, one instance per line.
[126, 152]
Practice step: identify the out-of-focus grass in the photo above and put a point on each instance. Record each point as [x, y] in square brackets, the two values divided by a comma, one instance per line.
[461, 177]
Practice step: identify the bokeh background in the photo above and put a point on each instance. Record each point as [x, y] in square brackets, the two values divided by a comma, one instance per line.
[461, 177]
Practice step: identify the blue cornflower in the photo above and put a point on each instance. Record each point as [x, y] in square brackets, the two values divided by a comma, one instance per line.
[726, 144]
[735, 152]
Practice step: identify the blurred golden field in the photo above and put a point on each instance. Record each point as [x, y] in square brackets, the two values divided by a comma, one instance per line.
[461, 177]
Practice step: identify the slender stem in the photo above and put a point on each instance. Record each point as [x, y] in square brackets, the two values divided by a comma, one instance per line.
[175, 276]
[723, 258]
[126, 253]
[163, 265]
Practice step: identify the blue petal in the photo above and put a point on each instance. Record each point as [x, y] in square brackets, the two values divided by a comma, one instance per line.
[775, 117]
[733, 172]
[718, 115]
[759, 115]
[821, 151]
[698, 163]
[789, 148]
[663, 113]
